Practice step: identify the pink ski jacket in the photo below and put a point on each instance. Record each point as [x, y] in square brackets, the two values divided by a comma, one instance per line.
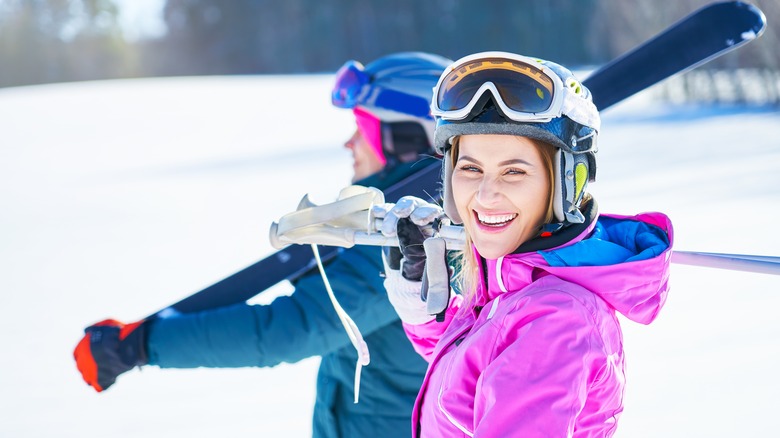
[541, 352]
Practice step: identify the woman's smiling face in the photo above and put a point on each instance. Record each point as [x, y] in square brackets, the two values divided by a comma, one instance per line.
[501, 187]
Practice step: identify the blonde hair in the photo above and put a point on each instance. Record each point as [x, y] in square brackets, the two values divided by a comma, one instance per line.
[466, 263]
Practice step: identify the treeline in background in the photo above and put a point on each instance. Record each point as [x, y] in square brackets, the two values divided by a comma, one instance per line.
[43, 41]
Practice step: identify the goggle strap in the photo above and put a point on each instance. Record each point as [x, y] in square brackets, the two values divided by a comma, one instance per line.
[392, 100]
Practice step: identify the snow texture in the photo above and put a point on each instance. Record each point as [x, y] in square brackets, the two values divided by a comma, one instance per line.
[121, 197]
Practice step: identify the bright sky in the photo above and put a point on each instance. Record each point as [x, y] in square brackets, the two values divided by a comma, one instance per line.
[141, 18]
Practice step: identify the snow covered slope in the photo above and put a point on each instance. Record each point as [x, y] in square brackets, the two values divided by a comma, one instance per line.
[121, 197]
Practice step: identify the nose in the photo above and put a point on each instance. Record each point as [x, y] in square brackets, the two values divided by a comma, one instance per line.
[489, 191]
[350, 143]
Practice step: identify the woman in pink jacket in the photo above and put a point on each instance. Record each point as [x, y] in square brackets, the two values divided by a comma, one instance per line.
[532, 347]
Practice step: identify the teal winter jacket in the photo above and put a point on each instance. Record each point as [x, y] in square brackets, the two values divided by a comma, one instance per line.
[305, 324]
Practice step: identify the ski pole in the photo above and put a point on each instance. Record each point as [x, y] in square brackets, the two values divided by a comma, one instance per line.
[733, 262]
[325, 234]
[454, 236]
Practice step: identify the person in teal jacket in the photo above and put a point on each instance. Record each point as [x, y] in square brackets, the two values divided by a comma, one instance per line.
[390, 100]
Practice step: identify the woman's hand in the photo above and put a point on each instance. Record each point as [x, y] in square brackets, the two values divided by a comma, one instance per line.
[412, 221]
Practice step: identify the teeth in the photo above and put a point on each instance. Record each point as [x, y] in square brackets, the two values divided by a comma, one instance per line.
[497, 219]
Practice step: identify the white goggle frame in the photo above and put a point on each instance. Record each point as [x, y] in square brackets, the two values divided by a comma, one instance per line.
[565, 101]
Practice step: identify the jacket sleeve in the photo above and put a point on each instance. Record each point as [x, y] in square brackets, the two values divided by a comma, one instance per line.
[289, 329]
[424, 337]
[537, 383]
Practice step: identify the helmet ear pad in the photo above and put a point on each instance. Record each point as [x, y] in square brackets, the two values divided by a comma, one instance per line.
[450, 209]
[572, 173]
[405, 141]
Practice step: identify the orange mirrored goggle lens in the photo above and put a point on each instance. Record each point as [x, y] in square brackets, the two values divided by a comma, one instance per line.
[522, 87]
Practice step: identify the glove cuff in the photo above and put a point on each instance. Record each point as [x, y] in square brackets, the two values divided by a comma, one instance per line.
[404, 295]
[132, 345]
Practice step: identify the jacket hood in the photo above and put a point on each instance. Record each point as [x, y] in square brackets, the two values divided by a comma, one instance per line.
[622, 259]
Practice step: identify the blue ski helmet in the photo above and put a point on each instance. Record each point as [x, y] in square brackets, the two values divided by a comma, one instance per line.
[391, 101]
[509, 94]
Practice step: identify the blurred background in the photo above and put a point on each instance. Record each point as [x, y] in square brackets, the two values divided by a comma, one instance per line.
[43, 41]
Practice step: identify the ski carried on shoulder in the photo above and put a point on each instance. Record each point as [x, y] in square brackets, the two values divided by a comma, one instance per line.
[703, 35]
[293, 261]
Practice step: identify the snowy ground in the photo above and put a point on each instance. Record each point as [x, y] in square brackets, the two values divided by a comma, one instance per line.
[121, 197]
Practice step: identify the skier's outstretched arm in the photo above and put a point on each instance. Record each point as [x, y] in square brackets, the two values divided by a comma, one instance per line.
[289, 329]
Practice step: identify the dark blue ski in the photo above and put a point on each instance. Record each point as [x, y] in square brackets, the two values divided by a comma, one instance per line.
[293, 261]
[701, 36]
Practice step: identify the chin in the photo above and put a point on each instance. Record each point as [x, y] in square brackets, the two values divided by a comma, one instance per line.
[495, 245]
[492, 250]
[357, 175]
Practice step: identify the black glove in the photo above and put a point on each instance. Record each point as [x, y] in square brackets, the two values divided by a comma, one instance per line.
[108, 349]
[410, 244]
[411, 220]
[423, 291]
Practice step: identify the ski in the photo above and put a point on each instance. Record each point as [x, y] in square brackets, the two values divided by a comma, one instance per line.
[699, 37]
[295, 260]
[705, 34]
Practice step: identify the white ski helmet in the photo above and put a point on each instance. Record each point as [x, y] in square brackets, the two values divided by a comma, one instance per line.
[505, 93]
[391, 101]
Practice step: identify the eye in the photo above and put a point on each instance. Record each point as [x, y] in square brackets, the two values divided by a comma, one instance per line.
[515, 171]
[469, 168]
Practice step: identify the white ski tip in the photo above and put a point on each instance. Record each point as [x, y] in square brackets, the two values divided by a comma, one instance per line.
[305, 203]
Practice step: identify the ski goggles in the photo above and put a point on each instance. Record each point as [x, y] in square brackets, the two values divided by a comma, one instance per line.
[354, 86]
[524, 89]
[351, 78]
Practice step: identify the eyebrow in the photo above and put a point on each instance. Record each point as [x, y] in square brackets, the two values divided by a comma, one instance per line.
[503, 163]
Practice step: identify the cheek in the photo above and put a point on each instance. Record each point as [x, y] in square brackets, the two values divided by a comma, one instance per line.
[360, 146]
[461, 192]
[532, 198]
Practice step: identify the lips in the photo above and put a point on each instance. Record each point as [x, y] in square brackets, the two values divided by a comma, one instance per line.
[495, 220]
